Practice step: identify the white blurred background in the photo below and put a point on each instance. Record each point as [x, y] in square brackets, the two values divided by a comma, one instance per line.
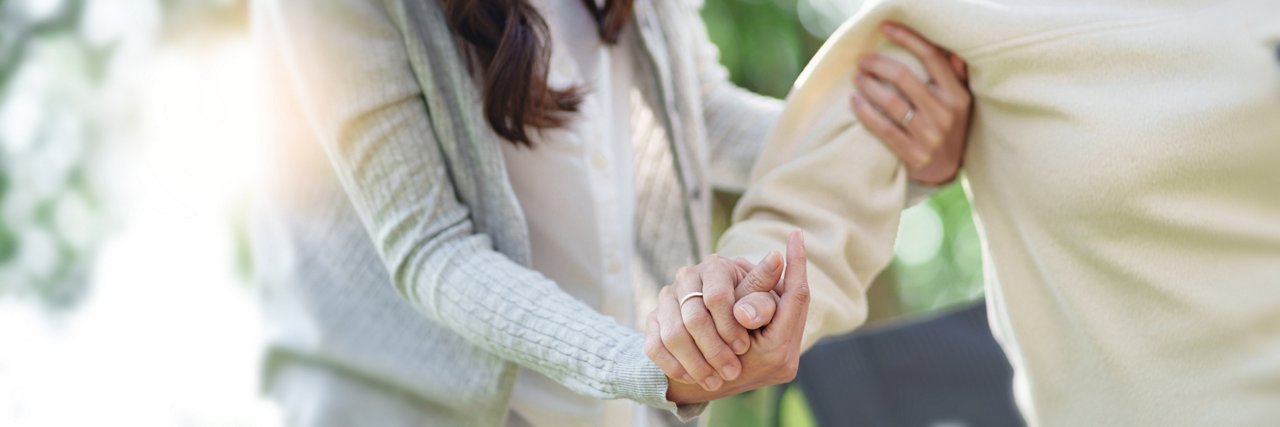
[129, 137]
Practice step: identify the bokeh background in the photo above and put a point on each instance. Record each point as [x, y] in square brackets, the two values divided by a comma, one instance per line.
[129, 141]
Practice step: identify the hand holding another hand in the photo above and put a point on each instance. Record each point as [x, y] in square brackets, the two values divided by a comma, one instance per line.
[704, 345]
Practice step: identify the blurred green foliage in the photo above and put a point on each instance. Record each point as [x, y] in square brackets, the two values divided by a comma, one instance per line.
[48, 202]
[56, 65]
[938, 259]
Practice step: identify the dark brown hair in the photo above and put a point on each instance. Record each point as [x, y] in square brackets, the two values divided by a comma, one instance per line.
[507, 39]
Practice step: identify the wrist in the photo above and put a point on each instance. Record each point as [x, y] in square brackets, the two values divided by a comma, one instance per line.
[685, 394]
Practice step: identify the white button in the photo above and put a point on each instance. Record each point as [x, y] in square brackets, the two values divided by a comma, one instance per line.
[598, 160]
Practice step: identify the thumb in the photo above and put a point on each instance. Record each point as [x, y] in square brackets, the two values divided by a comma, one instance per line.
[762, 278]
[793, 305]
[756, 309]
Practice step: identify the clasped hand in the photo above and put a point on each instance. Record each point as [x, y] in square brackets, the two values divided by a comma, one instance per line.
[743, 333]
[730, 339]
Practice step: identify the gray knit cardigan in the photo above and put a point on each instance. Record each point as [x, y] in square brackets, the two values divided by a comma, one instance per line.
[393, 251]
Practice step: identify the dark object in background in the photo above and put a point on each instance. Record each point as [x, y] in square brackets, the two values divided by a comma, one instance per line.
[944, 371]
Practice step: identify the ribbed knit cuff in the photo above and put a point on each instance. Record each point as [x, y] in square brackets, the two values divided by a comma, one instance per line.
[639, 379]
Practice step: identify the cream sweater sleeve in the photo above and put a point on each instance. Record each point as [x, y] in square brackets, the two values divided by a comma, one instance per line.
[825, 174]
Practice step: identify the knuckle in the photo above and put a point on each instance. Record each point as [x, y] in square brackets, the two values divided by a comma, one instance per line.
[900, 74]
[715, 268]
[916, 169]
[785, 369]
[802, 293]
[697, 367]
[720, 355]
[652, 348]
[899, 104]
[896, 103]
[880, 129]
[671, 336]
[698, 319]
[700, 370]
[946, 119]
[717, 296]
[730, 330]
[933, 138]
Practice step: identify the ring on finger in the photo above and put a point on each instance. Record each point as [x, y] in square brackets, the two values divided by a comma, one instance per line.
[906, 120]
[688, 297]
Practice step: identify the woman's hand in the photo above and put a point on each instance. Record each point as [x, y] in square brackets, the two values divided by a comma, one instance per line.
[772, 351]
[925, 124]
[696, 339]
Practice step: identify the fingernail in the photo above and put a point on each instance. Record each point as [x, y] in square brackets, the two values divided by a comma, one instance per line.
[731, 372]
[749, 312]
[740, 345]
[772, 261]
[712, 383]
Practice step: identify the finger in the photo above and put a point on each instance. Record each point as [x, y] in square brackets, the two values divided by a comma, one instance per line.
[756, 309]
[891, 104]
[743, 263]
[761, 277]
[894, 73]
[793, 304]
[883, 98]
[960, 67]
[913, 155]
[718, 282]
[678, 341]
[702, 327]
[927, 53]
[660, 356]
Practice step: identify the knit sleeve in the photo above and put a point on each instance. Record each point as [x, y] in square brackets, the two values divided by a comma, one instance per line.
[348, 62]
[737, 120]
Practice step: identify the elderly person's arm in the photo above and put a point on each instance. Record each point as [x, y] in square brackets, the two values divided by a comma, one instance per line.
[837, 178]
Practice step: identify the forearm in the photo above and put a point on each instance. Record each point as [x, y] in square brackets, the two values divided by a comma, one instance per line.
[351, 68]
[824, 173]
[850, 213]
[521, 316]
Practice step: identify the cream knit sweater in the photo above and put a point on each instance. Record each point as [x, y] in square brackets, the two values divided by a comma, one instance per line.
[1124, 164]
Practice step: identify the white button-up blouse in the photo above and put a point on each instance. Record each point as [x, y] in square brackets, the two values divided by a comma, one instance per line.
[576, 189]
